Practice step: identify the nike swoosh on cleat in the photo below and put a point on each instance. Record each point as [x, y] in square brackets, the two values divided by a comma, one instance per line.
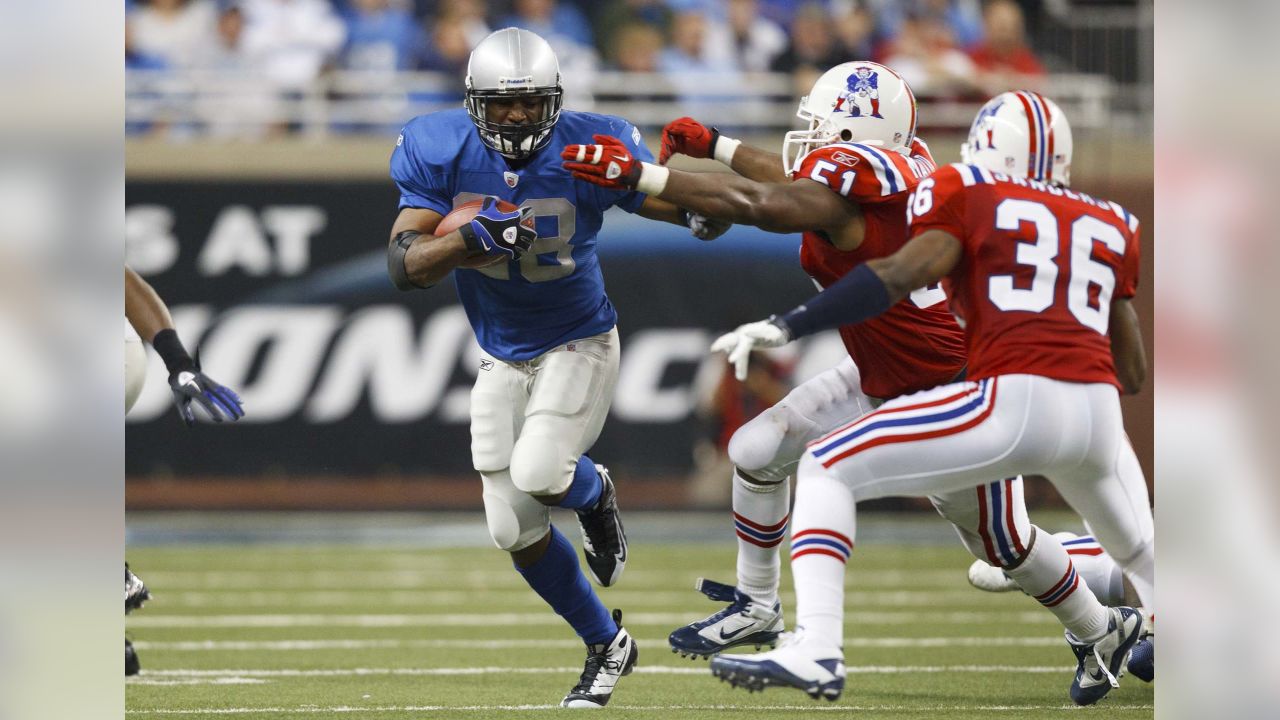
[733, 634]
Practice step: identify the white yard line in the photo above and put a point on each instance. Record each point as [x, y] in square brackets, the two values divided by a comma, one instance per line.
[546, 618]
[643, 670]
[436, 598]
[392, 644]
[827, 708]
[430, 577]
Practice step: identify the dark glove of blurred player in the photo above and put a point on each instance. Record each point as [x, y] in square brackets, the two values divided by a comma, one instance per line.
[135, 591]
[703, 227]
[189, 384]
[149, 316]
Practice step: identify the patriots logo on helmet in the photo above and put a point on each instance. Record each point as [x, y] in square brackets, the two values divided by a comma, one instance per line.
[982, 126]
[861, 93]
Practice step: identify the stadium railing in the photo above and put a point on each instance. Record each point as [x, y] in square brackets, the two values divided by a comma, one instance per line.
[239, 105]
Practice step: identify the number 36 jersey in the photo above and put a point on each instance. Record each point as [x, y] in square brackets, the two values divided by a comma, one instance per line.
[916, 344]
[1040, 268]
[555, 292]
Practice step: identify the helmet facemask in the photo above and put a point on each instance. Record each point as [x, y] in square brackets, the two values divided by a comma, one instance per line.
[802, 142]
[512, 140]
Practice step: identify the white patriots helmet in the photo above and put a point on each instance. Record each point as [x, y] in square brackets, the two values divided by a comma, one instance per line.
[857, 101]
[514, 63]
[1021, 133]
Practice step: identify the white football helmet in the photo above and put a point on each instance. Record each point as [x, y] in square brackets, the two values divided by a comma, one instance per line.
[514, 63]
[1021, 133]
[856, 101]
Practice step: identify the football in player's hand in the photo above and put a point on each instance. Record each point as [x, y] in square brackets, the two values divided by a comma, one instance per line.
[462, 215]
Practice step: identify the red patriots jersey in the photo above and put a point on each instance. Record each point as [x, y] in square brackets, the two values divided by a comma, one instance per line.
[917, 344]
[1040, 267]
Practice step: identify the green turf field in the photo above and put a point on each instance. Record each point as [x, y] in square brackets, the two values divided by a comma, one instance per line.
[272, 632]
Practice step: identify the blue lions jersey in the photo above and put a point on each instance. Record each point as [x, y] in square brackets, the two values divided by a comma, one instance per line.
[555, 293]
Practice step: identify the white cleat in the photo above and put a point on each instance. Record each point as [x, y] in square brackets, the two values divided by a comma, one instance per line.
[605, 664]
[816, 670]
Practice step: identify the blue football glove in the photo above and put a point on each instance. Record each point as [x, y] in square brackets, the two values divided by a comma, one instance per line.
[221, 403]
[494, 232]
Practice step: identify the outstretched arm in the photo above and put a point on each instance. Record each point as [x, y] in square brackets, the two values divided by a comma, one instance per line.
[877, 285]
[661, 210]
[776, 207]
[148, 314]
[782, 208]
[687, 136]
[143, 307]
[865, 292]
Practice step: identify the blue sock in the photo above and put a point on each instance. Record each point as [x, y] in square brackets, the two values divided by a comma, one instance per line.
[557, 578]
[585, 489]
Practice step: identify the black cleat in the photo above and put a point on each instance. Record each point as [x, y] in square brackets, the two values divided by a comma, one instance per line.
[131, 664]
[135, 591]
[603, 539]
[605, 664]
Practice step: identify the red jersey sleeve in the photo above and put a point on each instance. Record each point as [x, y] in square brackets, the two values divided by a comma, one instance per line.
[938, 204]
[865, 174]
[920, 149]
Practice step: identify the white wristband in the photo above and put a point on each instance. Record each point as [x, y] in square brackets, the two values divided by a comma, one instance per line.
[653, 179]
[725, 148]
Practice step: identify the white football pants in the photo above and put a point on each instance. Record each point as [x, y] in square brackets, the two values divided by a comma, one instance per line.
[530, 423]
[953, 437]
[991, 519]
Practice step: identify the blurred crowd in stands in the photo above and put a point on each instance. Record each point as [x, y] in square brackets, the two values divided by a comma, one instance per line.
[944, 48]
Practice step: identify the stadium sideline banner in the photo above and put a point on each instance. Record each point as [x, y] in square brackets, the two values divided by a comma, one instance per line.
[283, 287]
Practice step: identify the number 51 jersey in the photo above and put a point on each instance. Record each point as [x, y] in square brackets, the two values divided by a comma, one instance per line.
[916, 344]
[1040, 268]
[555, 292]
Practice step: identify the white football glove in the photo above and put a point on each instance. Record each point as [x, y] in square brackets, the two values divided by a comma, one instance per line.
[745, 338]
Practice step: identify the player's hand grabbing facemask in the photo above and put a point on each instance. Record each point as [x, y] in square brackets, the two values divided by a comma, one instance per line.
[190, 385]
[703, 227]
[608, 164]
[494, 232]
[687, 136]
[745, 338]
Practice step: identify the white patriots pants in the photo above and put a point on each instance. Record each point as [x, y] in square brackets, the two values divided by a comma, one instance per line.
[530, 423]
[990, 519]
[960, 435]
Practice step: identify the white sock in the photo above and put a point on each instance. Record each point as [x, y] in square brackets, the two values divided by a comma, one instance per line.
[822, 536]
[760, 519]
[1095, 566]
[1141, 571]
[1048, 575]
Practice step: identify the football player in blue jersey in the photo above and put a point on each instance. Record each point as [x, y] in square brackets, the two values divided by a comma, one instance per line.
[531, 285]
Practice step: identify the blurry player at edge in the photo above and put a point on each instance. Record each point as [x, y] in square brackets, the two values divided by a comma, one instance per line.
[146, 316]
[851, 175]
[1048, 354]
[540, 314]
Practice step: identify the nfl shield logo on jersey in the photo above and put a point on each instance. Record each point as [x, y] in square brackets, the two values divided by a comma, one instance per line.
[511, 178]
